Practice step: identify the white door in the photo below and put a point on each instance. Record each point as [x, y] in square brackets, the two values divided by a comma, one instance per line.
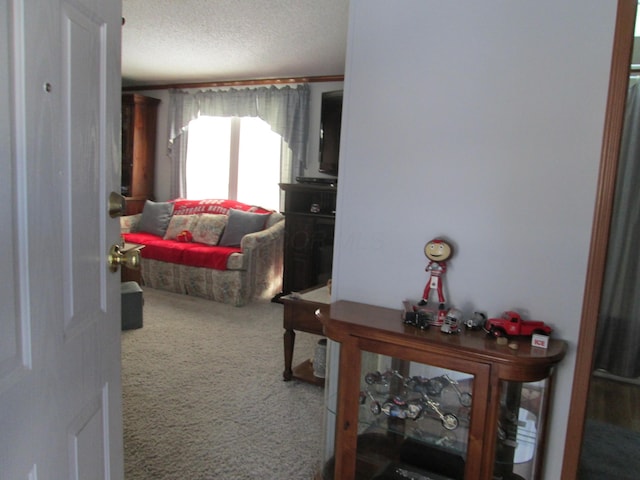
[60, 395]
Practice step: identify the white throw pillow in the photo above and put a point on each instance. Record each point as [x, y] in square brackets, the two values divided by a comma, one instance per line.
[209, 228]
[178, 224]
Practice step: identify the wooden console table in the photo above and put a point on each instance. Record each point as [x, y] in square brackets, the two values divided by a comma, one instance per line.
[300, 314]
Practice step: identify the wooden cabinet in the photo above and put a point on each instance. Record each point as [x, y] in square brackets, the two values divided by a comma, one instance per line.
[414, 403]
[139, 121]
[309, 230]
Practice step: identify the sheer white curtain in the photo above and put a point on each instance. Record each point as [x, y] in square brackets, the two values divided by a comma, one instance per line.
[618, 337]
[285, 109]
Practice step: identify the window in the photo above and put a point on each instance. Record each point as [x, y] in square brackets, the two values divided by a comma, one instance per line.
[235, 158]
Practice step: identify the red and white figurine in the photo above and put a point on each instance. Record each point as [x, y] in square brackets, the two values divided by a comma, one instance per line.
[438, 251]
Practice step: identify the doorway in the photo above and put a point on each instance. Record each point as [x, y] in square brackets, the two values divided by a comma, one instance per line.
[610, 420]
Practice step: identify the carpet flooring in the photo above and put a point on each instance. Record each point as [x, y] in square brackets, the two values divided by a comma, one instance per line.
[609, 452]
[203, 395]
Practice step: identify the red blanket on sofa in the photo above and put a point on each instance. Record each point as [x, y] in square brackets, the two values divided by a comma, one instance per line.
[190, 254]
[189, 207]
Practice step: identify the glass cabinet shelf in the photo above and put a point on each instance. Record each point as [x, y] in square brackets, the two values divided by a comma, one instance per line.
[426, 405]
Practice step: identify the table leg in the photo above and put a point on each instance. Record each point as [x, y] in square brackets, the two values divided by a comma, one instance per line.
[289, 341]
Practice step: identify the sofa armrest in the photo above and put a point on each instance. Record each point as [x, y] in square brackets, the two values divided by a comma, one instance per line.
[268, 236]
[129, 223]
[263, 258]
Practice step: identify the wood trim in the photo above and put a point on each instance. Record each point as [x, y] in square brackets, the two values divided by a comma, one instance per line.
[614, 119]
[237, 83]
[346, 443]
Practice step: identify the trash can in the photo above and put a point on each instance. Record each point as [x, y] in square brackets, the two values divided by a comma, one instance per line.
[131, 305]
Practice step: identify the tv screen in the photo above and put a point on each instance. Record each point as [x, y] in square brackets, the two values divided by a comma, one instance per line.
[330, 123]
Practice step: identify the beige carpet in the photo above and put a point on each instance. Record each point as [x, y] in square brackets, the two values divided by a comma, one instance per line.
[203, 395]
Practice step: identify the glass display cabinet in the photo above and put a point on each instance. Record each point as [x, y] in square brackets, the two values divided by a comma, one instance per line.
[426, 405]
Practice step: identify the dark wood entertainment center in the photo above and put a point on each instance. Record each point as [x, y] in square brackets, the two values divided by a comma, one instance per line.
[309, 229]
[310, 208]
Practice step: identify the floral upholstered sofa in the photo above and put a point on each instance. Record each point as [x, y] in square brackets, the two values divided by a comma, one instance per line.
[222, 250]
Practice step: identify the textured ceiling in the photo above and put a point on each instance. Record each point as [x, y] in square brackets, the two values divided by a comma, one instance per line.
[169, 41]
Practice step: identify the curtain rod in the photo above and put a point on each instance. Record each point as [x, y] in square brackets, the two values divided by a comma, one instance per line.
[237, 83]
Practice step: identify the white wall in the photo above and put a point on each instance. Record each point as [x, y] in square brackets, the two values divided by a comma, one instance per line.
[481, 121]
[163, 168]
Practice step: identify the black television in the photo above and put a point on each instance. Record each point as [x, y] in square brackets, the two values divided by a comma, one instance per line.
[330, 124]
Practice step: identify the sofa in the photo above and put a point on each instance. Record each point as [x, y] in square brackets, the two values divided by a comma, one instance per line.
[222, 250]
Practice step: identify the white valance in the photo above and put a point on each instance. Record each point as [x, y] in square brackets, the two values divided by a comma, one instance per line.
[285, 109]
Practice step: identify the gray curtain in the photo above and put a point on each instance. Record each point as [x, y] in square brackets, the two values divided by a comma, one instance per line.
[178, 155]
[285, 109]
[618, 337]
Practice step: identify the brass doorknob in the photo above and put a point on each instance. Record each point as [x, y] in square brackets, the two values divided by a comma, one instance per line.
[129, 258]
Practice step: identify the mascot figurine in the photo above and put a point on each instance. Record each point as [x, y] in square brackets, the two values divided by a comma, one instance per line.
[438, 251]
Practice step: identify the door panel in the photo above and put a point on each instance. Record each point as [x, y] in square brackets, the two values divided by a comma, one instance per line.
[14, 325]
[87, 438]
[60, 395]
[83, 92]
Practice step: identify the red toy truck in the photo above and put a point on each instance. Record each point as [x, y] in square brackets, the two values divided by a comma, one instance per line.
[511, 324]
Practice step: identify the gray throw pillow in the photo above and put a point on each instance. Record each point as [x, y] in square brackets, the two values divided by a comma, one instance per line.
[155, 217]
[241, 223]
